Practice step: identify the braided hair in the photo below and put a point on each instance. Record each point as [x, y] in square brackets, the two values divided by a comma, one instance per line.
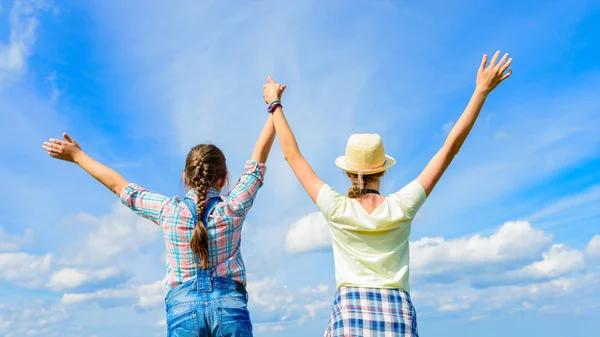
[355, 190]
[204, 166]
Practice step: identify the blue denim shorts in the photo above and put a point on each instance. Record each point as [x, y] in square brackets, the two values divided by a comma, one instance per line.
[208, 306]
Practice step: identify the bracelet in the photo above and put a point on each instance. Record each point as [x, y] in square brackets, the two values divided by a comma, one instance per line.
[274, 106]
[275, 101]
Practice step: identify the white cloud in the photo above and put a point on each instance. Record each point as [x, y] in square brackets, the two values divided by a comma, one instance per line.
[72, 278]
[482, 301]
[309, 233]
[453, 306]
[593, 248]
[267, 293]
[145, 296]
[279, 306]
[23, 22]
[33, 319]
[121, 231]
[269, 327]
[14, 242]
[24, 269]
[558, 261]
[512, 242]
[38, 271]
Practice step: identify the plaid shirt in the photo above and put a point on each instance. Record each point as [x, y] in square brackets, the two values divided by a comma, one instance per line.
[224, 226]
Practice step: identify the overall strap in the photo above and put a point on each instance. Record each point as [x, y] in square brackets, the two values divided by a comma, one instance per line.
[211, 203]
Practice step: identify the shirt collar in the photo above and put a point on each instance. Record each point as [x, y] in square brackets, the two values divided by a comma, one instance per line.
[211, 193]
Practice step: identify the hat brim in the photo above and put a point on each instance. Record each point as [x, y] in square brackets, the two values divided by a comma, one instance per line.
[341, 163]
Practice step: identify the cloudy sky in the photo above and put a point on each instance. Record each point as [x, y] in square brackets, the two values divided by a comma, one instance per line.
[508, 243]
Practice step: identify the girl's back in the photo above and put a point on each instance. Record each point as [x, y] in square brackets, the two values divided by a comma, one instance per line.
[177, 224]
[371, 250]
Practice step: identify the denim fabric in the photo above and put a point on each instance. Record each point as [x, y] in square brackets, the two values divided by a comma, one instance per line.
[207, 306]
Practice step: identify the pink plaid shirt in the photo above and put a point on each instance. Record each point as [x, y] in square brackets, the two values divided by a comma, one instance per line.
[224, 226]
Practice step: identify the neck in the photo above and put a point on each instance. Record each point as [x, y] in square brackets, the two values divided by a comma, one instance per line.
[373, 186]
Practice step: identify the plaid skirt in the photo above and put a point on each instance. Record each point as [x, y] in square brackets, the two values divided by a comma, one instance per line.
[372, 312]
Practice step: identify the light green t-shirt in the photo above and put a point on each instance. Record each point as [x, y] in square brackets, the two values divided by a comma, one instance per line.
[371, 250]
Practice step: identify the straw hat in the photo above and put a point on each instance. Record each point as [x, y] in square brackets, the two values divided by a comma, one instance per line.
[365, 155]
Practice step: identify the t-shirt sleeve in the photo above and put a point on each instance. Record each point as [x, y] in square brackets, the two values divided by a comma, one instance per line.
[327, 200]
[411, 197]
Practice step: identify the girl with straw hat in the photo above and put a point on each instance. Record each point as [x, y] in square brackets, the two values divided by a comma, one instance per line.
[369, 231]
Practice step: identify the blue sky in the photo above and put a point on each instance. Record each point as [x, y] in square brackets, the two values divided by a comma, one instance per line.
[508, 243]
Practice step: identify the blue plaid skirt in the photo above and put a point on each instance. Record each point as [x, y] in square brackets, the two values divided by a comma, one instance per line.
[372, 312]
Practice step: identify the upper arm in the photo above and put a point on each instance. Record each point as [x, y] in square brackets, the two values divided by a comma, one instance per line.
[241, 198]
[305, 174]
[145, 203]
[436, 167]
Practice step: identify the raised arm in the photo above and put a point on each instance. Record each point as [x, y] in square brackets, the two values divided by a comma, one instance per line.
[264, 142]
[69, 150]
[305, 174]
[241, 197]
[487, 79]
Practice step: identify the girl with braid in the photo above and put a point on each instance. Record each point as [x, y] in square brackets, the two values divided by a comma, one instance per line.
[206, 277]
[369, 231]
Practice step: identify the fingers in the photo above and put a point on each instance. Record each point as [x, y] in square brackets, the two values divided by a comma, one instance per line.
[68, 138]
[483, 62]
[57, 141]
[51, 148]
[282, 90]
[507, 75]
[269, 79]
[495, 58]
[506, 65]
[51, 145]
[502, 60]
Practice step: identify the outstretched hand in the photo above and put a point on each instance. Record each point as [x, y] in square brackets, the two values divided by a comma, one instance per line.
[489, 77]
[66, 149]
[272, 91]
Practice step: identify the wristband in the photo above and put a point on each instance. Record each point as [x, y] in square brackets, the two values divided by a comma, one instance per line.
[274, 106]
[275, 101]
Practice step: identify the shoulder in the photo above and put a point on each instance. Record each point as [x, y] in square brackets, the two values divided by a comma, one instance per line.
[411, 197]
[328, 200]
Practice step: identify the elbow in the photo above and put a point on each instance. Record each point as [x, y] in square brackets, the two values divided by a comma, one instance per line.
[451, 150]
[453, 146]
[291, 155]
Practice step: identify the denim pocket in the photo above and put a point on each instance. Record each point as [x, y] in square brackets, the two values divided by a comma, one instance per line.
[235, 322]
[183, 325]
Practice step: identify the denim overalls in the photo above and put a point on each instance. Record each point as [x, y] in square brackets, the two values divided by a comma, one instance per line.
[207, 306]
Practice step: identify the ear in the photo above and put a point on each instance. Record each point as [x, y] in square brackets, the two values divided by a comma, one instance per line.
[185, 180]
[222, 181]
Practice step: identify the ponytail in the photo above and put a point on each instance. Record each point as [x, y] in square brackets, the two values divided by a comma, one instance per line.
[205, 165]
[356, 190]
[199, 241]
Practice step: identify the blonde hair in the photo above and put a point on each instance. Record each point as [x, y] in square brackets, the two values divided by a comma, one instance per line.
[356, 190]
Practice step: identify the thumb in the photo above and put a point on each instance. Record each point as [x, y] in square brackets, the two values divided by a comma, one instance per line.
[282, 90]
[68, 138]
[269, 79]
